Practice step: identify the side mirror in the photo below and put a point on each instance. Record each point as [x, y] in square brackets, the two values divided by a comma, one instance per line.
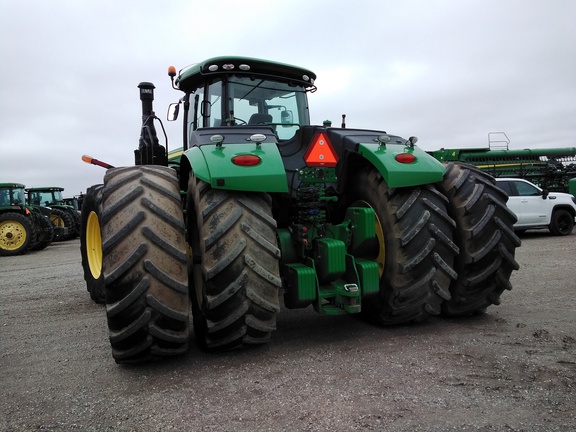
[545, 194]
[205, 108]
[286, 118]
[173, 110]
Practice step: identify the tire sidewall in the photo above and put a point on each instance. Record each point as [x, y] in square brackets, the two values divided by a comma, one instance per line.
[92, 204]
[26, 223]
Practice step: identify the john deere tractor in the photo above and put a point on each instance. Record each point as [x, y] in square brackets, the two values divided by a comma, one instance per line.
[260, 207]
[64, 217]
[22, 227]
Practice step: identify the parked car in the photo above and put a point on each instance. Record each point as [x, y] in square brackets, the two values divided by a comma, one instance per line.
[536, 208]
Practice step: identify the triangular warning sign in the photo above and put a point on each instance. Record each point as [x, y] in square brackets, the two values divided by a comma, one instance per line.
[320, 152]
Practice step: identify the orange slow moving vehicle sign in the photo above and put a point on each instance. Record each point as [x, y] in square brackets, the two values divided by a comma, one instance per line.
[320, 152]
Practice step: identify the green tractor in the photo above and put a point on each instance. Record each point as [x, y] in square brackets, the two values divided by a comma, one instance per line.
[22, 227]
[75, 202]
[64, 217]
[258, 205]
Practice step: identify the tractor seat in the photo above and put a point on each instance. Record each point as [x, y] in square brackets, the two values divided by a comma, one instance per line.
[260, 118]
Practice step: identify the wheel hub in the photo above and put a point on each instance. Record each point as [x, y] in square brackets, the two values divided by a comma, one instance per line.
[12, 235]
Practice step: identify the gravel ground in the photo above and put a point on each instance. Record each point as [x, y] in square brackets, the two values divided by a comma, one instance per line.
[512, 369]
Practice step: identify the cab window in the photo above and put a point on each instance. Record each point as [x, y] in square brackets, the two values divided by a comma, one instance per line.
[258, 101]
[248, 101]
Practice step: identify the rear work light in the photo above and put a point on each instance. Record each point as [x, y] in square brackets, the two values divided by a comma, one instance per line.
[246, 160]
[320, 152]
[405, 158]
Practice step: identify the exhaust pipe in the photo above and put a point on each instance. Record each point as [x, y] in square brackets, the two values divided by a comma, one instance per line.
[149, 151]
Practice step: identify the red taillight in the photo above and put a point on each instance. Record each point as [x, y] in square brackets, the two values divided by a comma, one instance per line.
[246, 160]
[320, 152]
[405, 158]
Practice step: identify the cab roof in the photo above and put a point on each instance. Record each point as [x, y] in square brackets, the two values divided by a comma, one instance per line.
[12, 185]
[192, 77]
[44, 189]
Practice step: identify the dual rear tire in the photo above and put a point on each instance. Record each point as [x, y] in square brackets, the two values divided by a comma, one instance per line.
[485, 237]
[234, 267]
[415, 251]
[64, 219]
[234, 272]
[444, 249]
[144, 263]
[44, 231]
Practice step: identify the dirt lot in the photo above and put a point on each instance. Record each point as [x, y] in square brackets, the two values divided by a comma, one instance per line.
[513, 369]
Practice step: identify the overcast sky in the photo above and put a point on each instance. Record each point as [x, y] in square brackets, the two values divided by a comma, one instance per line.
[448, 72]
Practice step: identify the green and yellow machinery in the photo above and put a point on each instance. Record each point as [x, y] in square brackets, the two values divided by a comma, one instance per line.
[22, 227]
[553, 169]
[64, 217]
[258, 206]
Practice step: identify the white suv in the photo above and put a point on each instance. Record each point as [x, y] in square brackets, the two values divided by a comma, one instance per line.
[536, 208]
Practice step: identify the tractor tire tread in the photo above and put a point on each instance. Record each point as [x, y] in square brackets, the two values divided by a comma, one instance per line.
[236, 238]
[144, 263]
[484, 236]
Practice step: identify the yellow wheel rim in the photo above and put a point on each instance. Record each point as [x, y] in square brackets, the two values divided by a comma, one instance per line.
[381, 248]
[56, 220]
[12, 235]
[94, 245]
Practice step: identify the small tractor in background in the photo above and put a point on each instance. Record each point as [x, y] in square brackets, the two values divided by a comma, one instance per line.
[22, 227]
[75, 202]
[552, 169]
[258, 205]
[64, 217]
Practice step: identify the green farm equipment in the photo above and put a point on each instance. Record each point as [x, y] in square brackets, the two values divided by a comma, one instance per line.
[22, 227]
[552, 169]
[64, 217]
[75, 202]
[258, 205]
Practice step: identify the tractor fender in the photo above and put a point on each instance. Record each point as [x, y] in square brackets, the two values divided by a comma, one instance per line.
[572, 186]
[424, 169]
[214, 165]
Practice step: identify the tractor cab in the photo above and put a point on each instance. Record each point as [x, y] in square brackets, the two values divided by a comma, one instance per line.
[243, 92]
[45, 196]
[12, 194]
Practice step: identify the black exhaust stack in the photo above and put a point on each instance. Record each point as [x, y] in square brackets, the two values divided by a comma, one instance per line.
[149, 151]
